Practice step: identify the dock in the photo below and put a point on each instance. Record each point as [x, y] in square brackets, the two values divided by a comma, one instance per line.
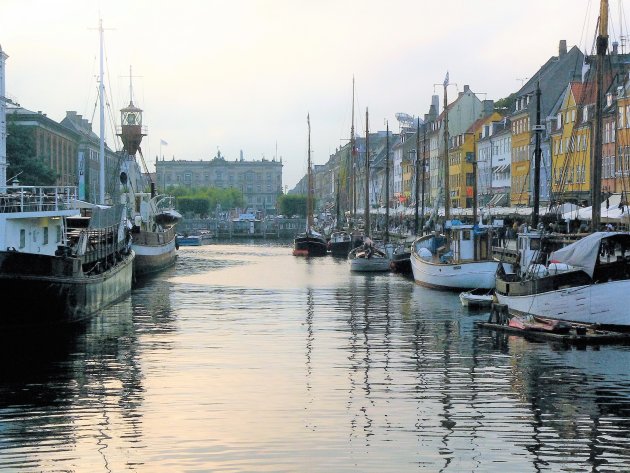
[578, 334]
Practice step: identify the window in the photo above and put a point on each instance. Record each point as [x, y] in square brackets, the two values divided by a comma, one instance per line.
[45, 235]
[58, 228]
[22, 238]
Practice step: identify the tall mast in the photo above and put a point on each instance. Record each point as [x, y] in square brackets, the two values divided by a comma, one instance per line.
[387, 184]
[353, 177]
[309, 196]
[417, 190]
[537, 155]
[447, 193]
[367, 175]
[596, 165]
[424, 167]
[101, 97]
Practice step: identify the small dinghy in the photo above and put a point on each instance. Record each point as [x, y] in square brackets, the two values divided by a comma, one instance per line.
[533, 323]
[477, 298]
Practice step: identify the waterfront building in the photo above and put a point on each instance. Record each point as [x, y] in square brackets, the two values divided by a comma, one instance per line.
[462, 113]
[611, 177]
[494, 152]
[553, 78]
[461, 156]
[259, 181]
[71, 149]
[571, 144]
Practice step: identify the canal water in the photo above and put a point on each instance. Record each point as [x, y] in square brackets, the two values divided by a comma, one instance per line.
[244, 358]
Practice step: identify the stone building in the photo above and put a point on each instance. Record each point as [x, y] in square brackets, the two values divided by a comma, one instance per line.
[260, 182]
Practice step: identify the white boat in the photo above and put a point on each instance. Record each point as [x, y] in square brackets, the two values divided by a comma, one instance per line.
[575, 283]
[153, 217]
[57, 264]
[476, 298]
[366, 259]
[462, 262]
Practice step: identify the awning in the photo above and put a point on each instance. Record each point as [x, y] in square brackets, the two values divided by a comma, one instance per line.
[496, 200]
[500, 169]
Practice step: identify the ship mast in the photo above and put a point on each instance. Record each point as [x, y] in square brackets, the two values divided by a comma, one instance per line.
[596, 165]
[309, 196]
[447, 193]
[387, 185]
[353, 178]
[367, 175]
[101, 95]
[537, 156]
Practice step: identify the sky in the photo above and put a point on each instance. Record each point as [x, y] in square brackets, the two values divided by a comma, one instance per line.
[234, 75]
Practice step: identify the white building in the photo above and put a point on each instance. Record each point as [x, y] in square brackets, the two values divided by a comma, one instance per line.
[493, 163]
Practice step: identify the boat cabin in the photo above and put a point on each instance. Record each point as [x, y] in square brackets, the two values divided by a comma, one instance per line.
[468, 243]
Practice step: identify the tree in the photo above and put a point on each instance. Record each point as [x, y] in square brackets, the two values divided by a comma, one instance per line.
[22, 159]
[292, 204]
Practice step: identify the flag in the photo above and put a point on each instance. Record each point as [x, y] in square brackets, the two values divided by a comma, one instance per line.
[446, 79]
[162, 142]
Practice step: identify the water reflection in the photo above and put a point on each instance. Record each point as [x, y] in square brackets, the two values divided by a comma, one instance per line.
[243, 358]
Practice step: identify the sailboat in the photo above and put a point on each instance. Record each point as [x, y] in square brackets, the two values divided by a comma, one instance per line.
[369, 258]
[309, 243]
[341, 241]
[153, 217]
[587, 281]
[461, 257]
[60, 264]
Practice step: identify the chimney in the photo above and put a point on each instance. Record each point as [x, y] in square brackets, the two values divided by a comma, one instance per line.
[488, 107]
[615, 47]
[435, 103]
[563, 47]
[466, 88]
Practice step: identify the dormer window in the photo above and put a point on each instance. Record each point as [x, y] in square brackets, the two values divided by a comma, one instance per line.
[585, 113]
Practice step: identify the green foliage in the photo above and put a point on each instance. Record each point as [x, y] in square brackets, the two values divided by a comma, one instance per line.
[292, 204]
[505, 104]
[22, 158]
[189, 199]
[196, 206]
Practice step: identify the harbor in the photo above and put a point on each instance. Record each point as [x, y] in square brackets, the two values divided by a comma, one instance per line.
[314, 369]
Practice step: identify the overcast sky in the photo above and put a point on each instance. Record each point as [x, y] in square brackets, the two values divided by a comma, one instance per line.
[243, 74]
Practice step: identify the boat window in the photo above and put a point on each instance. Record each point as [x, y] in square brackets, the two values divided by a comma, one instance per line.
[534, 244]
[465, 234]
[45, 235]
[22, 238]
[58, 227]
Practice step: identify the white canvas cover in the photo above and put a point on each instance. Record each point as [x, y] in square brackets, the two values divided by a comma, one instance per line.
[583, 253]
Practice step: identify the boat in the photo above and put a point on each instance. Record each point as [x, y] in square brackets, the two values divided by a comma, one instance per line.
[60, 264]
[477, 298]
[461, 257]
[575, 283]
[585, 281]
[203, 237]
[340, 243]
[309, 243]
[153, 217]
[538, 324]
[368, 257]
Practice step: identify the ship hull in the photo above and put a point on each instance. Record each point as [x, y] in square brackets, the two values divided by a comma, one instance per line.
[47, 300]
[155, 251]
[479, 274]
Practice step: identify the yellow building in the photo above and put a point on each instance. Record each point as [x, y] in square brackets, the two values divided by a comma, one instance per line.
[461, 177]
[521, 138]
[571, 144]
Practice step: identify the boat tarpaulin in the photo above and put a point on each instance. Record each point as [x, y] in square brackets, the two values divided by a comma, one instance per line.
[583, 253]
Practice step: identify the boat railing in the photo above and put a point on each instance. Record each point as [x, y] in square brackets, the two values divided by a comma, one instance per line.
[38, 199]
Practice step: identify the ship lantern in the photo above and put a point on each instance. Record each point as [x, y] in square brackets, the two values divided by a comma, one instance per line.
[131, 128]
